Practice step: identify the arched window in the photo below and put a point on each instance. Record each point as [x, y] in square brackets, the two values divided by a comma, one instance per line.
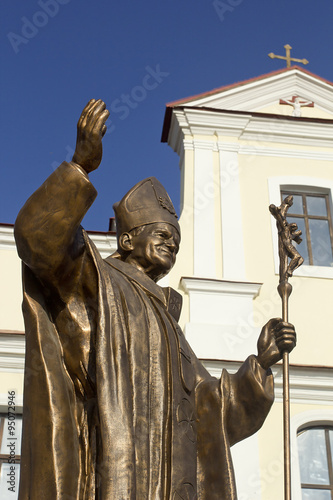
[315, 454]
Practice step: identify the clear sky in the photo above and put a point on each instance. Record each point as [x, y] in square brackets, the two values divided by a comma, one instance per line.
[58, 54]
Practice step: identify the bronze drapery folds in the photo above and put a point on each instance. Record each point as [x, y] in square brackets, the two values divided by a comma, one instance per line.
[116, 404]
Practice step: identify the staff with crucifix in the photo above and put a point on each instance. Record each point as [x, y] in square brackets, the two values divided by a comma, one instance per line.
[290, 260]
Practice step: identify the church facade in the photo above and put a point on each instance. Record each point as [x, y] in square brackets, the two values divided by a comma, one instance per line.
[242, 148]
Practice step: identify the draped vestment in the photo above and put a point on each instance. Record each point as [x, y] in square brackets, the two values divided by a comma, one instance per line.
[116, 404]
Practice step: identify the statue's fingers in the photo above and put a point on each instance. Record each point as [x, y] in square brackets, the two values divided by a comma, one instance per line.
[286, 343]
[84, 112]
[86, 118]
[286, 336]
[104, 129]
[283, 328]
[100, 122]
[93, 113]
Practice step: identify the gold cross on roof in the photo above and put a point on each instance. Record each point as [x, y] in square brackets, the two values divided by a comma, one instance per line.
[287, 58]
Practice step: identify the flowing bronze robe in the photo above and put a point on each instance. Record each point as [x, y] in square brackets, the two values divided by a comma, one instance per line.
[116, 404]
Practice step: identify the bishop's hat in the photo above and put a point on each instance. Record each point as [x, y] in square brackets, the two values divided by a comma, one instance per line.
[147, 202]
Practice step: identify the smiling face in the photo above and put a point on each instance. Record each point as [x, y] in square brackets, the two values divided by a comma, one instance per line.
[152, 250]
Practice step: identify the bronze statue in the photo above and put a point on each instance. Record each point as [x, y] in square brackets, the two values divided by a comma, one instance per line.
[116, 404]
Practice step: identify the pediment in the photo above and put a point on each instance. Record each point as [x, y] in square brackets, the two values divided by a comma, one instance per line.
[289, 92]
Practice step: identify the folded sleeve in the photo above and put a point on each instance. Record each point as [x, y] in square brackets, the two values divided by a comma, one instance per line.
[47, 227]
[250, 395]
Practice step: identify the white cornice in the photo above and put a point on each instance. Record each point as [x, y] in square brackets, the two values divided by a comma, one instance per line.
[209, 122]
[7, 241]
[233, 147]
[308, 385]
[286, 153]
[304, 133]
[208, 145]
[178, 129]
[251, 128]
[12, 352]
[201, 285]
[105, 242]
[258, 150]
[188, 144]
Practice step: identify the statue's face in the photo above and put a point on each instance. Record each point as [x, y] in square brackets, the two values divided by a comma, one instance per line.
[155, 248]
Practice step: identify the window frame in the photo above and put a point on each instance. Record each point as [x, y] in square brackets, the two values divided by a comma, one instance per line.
[322, 487]
[299, 422]
[307, 185]
[307, 217]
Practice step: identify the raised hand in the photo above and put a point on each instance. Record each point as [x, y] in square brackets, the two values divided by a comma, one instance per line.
[275, 338]
[90, 131]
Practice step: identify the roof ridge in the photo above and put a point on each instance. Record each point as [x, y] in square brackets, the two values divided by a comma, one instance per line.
[243, 82]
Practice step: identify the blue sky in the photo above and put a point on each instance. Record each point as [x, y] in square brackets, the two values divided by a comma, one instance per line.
[58, 54]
